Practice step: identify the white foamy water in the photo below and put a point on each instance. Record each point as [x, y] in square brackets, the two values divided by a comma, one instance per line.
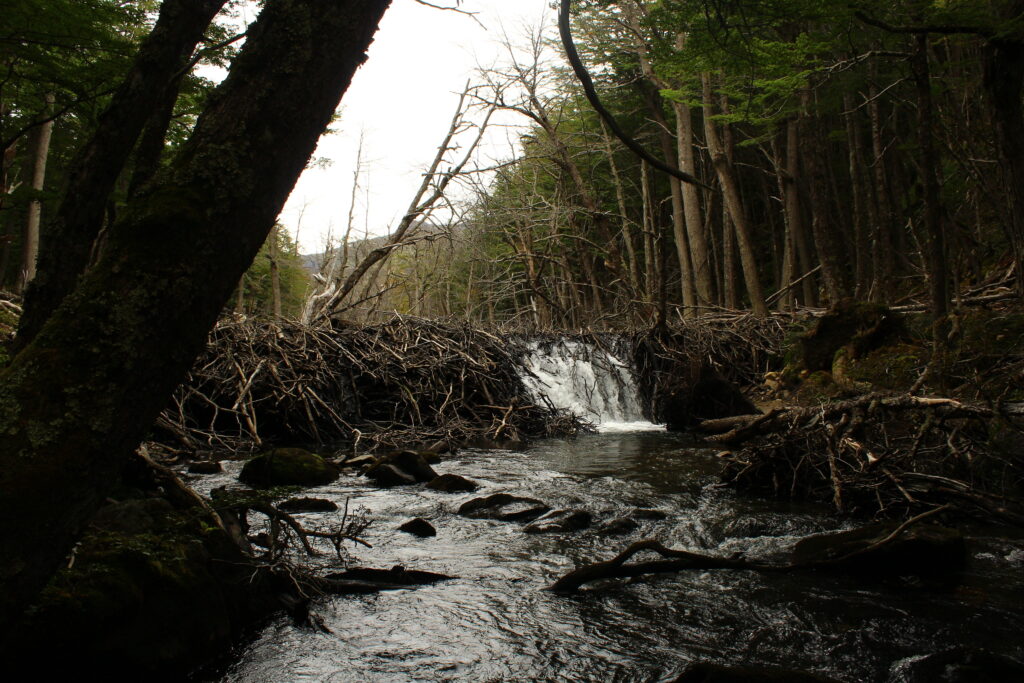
[588, 382]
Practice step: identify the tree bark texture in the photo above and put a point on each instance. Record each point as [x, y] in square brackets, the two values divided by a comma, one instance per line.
[79, 398]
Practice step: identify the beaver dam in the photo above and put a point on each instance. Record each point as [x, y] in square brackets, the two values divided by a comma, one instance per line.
[422, 500]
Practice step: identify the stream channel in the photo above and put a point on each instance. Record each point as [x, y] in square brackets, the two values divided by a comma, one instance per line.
[495, 621]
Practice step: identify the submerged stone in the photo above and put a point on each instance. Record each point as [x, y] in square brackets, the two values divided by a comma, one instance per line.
[286, 467]
[504, 507]
[401, 468]
[205, 467]
[451, 483]
[307, 505]
[559, 521]
[619, 526]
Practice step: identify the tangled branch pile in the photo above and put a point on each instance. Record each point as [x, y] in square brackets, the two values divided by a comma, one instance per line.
[885, 455]
[406, 379]
[678, 364]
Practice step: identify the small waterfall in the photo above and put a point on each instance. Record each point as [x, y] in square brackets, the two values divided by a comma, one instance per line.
[588, 382]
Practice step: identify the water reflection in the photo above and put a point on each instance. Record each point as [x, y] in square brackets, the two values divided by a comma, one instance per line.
[496, 623]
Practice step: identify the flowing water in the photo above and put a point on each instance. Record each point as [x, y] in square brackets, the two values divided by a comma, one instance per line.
[495, 621]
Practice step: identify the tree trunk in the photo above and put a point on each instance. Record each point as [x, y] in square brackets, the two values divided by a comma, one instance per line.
[862, 252]
[76, 401]
[275, 273]
[40, 150]
[699, 255]
[938, 286]
[627, 233]
[1004, 82]
[733, 203]
[68, 239]
[825, 241]
[882, 262]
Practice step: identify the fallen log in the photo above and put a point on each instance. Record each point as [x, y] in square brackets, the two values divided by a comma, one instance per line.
[869, 549]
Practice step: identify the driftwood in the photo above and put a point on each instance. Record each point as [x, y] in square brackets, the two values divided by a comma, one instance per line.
[680, 560]
[879, 454]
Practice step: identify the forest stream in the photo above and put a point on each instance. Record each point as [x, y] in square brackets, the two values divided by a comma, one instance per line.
[496, 622]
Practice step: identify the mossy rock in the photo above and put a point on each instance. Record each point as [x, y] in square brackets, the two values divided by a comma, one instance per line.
[288, 467]
[894, 367]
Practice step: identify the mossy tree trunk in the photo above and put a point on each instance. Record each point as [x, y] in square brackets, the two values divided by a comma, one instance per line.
[79, 398]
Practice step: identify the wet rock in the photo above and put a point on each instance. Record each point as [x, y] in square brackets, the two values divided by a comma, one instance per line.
[558, 521]
[958, 665]
[923, 549]
[619, 526]
[419, 527]
[503, 507]
[205, 467]
[387, 475]
[451, 483]
[288, 466]
[400, 468]
[705, 672]
[360, 461]
[307, 505]
[431, 457]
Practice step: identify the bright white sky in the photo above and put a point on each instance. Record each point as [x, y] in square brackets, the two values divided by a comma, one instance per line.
[401, 101]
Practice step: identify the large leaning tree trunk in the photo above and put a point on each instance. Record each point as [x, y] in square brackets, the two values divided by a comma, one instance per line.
[78, 399]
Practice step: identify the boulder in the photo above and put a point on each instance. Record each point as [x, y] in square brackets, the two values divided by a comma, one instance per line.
[419, 527]
[558, 521]
[288, 467]
[399, 468]
[503, 507]
[205, 467]
[923, 549]
[451, 483]
[307, 505]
